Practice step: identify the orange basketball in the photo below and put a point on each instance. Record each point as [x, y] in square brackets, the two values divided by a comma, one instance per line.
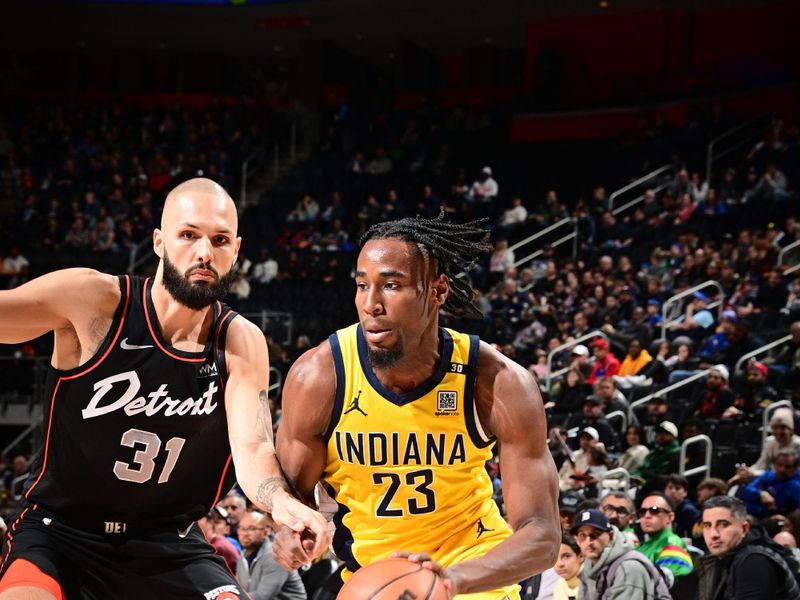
[393, 579]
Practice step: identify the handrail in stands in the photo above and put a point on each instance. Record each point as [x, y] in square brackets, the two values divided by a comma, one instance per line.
[531, 238]
[276, 380]
[634, 184]
[710, 157]
[765, 348]
[669, 302]
[771, 408]
[619, 414]
[573, 343]
[705, 468]
[784, 251]
[25, 433]
[664, 391]
[616, 474]
[638, 200]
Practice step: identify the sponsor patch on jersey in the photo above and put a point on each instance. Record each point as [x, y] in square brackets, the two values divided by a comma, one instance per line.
[208, 370]
[446, 402]
[225, 592]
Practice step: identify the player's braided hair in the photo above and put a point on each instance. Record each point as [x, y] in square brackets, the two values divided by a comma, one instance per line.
[452, 247]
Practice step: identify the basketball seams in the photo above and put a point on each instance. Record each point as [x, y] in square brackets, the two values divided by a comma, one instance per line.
[376, 593]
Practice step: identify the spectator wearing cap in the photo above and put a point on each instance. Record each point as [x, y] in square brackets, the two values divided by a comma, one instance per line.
[781, 425]
[568, 503]
[754, 395]
[576, 468]
[606, 364]
[687, 515]
[213, 525]
[742, 561]
[653, 310]
[592, 416]
[715, 348]
[777, 490]
[613, 568]
[661, 545]
[580, 360]
[658, 410]
[664, 455]
[485, 188]
[696, 319]
[712, 400]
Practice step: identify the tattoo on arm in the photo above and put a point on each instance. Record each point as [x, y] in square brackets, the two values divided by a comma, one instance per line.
[264, 419]
[267, 489]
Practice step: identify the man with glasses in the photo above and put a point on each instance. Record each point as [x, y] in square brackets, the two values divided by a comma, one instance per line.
[618, 507]
[665, 549]
[260, 576]
[777, 490]
[613, 568]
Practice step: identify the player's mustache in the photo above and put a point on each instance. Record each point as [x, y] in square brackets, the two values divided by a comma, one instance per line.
[202, 266]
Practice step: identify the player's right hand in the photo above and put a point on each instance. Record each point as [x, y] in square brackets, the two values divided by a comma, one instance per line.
[312, 533]
[291, 549]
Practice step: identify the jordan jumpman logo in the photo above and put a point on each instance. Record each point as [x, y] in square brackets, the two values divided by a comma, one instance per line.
[482, 529]
[354, 405]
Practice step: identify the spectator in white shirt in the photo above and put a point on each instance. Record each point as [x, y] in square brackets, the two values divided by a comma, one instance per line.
[265, 270]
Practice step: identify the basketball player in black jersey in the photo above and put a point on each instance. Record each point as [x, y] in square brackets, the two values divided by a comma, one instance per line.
[156, 391]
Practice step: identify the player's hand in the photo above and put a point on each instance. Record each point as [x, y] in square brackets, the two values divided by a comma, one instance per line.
[424, 559]
[310, 527]
[291, 549]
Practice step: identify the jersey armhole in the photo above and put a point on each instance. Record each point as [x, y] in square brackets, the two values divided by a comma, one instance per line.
[338, 401]
[219, 345]
[476, 432]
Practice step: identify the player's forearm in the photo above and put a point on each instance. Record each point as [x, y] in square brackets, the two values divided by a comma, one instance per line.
[530, 550]
[260, 476]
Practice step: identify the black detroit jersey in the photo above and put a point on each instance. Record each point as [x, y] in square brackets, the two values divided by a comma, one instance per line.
[138, 435]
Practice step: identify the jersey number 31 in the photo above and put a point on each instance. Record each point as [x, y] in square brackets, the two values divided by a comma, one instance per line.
[143, 465]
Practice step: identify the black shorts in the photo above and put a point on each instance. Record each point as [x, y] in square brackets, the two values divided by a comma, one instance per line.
[98, 566]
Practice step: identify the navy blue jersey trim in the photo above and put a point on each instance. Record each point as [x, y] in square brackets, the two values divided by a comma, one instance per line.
[342, 536]
[424, 389]
[469, 395]
[338, 400]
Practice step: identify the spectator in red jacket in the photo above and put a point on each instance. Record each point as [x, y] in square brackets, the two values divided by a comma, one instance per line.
[606, 364]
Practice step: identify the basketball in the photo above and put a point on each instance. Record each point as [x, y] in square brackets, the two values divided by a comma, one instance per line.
[393, 579]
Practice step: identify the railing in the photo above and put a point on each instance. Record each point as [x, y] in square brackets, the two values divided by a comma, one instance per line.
[276, 380]
[672, 300]
[633, 185]
[639, 199]
[138, 256]
[615, 474]
[753, 129]
[618, 414]
[567, 221]
[704, 468]
[664, 391]
[264, 317]
[753, 353]
[784, 251]
[13, 443]
[562, 347]
[771, 408]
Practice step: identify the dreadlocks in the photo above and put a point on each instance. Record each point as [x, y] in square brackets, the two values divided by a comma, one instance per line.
[452, 247]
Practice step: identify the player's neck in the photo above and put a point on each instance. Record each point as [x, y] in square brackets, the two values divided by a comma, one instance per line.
[179, 323]
[417, 365]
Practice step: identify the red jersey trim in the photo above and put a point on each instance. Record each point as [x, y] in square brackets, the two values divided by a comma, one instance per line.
[153, 333]
[73, 376]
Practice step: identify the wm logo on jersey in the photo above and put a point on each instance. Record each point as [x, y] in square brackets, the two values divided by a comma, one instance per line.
[208, 370]
[446, 403]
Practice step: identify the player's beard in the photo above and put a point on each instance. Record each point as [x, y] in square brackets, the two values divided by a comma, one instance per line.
[197, 295]
[383, 358]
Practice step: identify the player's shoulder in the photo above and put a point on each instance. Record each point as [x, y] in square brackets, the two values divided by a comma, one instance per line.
[245, 338]
[314, 370]
[85, 288]
[493, 364]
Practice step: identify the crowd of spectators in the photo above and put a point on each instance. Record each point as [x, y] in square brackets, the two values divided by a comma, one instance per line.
[587, 320]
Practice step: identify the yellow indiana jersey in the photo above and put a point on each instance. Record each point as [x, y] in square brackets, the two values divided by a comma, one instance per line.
[407, 470]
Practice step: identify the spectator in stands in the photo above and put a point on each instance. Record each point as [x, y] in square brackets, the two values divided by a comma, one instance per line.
[663, 456]
[485, 189]
[743, 562]
[658, 410]
[696, 319]
[580, 360]
[514, 217]
[568, 566]
[500, 261]
[687, 515]
[234, 504]
[635, 451]
[212, 525]
[578, 465]
[570, 396]
[592, 416]
[712, 400]
[619, 509]
[777, 490]
[265, 270]
[258, 573]
[380, 164]
[606, 364]
[754, 396]
[16, 266]
[783, 438]
[787, 359]
[636, 359]
[664, 549]
[606, 549]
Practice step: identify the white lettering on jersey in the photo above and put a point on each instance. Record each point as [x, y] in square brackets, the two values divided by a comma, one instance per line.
[149, 405]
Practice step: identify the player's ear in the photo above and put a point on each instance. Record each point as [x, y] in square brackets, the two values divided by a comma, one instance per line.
[440, 289]
[158, 243]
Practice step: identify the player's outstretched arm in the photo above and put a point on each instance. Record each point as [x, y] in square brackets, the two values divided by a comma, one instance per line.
[55, 301]
[510, 406]
[250, 433]
[308, 394]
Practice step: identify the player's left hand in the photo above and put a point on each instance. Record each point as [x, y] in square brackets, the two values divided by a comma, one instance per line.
[423, 558]
[288, 511]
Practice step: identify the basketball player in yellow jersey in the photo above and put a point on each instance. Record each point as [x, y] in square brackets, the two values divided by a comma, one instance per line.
[397, 416]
